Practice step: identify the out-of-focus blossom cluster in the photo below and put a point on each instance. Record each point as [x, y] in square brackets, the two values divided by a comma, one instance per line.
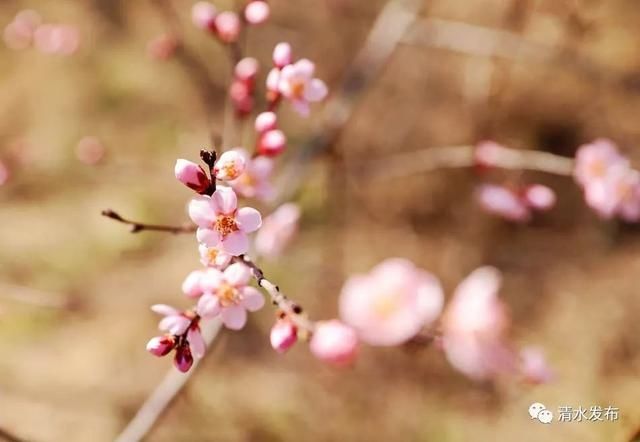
[227, 25]
[516, 205]
[611, 187]
[28, 30]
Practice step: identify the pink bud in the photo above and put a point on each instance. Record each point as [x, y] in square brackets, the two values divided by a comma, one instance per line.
[228, 26]
[283, 336]
[183, 359]
[162, 47]
[539, 197]
[90, 150]
[334, 342]
[257, 12]
[191, 175]
[246, 69]
[272, 143]
[488, 153]
[230, 166]
[266, 121]
[282, 55]
[203, 15]
[161, 345]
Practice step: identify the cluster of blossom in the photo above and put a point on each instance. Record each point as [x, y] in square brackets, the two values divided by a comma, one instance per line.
[27, 29]
[227, 25]
[611, 187]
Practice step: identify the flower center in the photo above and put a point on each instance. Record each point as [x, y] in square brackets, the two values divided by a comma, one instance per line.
[228, 295]
[224, 225]
[385, 305]
[231, 171]
[598, 168]
[297, 89]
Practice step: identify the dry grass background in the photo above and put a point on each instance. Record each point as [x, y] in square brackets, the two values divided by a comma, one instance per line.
[79, 373]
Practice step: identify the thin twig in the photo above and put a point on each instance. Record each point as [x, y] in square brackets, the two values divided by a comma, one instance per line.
[292, 310]
[137, 226]
[427, 160]
[164, 394]
[9, 437]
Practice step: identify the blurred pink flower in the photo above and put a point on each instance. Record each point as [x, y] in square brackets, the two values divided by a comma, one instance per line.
[257, 12]
[266, 121]
[534, 367]
[191, 175]
[617, 194]
[334, 342]
[227, 26]
[282, 55]
[277, 231]
[162, 47]
[227, 294]
[255, 181]
[594, 161]
[539, 197]
[90, 150]
[246, 69]
[283, 335]
[503, 202]
[229, 166]
[297, 83]
[272, 142]
[392, 303]
[203, 15]
[57, 39]
[221, 224]
[19, 33]
[213, 257]
[474, 324]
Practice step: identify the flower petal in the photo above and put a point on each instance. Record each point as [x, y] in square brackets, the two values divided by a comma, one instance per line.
[302, 107]
[165, 310]
[224, 200]
[176, 325]
[210, 280]
[237, 274]
[304, 68]
[248, 219]
[196, 341]
[236, 243]
[234, 317]
[208, 306]
[201, 211]
[252, 299]
[316, 90]
[208, 237]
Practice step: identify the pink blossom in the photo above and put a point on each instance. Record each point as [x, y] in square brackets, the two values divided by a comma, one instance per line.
[503, 202]
[594, 161]
[297, 83]
[539, 197]
[277, 231]
[282, 55]
[246, 69]
[221, 224]
[257, 12]
[57, 39]
[192, 175]
[255, 181]
[334, 342]
[266, 121]
[19, 33]
[534, 367]
[229, 166]
[227, 26]
[272, 142]
[617, 194]
[191, 285]
[392, 303]
[272, 83]
[283, 335]
[213, 257]
[90, 150]
[474, 325]
[162, 47]
[179, 323]
[161, 345]
[203, 15]
[227, 295]
[241, 97]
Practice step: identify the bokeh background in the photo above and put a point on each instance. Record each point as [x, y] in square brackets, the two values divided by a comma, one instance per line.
[75, 287]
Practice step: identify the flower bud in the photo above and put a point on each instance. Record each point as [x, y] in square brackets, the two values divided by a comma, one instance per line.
[282, 55]
[272, 143]
[257, 12]
[539, 197]
[266, 121]
[161, 345]
[228, 26]
[230, 166]
[334, 342]
[246, 69]
[183, 359]
[191, 175]
[283, 335]
[203, 15]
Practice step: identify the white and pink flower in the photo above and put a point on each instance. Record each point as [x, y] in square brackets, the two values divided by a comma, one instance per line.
[177, 323]
[392, 303]
[255, 182]
[221, 223]
[474, 324]
[257, 12]
[296, 82]
[213, 256]
[191, 175]
[334, 342]
[229, 166]
[228, 295]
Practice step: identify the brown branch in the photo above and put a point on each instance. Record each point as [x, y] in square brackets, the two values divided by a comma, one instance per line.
[292, 310]
[139, 227]
[5, 435]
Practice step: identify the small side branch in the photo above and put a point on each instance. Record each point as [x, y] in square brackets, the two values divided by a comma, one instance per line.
[292, 310]
[5, 435]
[139, 227]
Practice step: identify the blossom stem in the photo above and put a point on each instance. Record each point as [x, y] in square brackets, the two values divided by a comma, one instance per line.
[139, 227]
[9, 437]
[292, 310]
